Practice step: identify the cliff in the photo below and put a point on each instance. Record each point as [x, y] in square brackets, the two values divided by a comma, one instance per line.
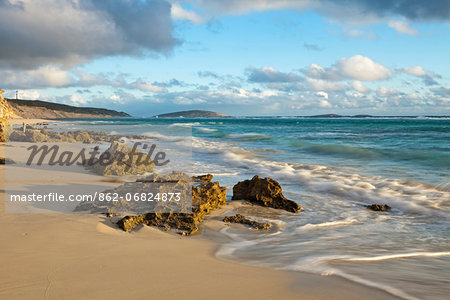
[6, 111]
[193, 114]
[36, 109]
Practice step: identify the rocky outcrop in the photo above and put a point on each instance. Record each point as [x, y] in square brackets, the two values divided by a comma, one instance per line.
[89, 137]
[379, 207]
[122, 160]
[266, 192]
[240, 219]
[6, 112]
[206, 196]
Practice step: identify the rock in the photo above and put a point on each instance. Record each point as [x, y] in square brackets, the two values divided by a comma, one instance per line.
[379, 207]
[174, 177]
[6, 161]
[88, 137]
[243, 220]
[32, 136]
[266, 192]
[3, 130]
[206, 196]
[207, 177]
[128, 223]
[123, 161]
[6, 110]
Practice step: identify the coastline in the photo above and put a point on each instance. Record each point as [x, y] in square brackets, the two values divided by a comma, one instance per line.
[76, 255]
[15, 122]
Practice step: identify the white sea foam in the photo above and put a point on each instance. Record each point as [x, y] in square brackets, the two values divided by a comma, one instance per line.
[403, 195]
[396, 256]
[206, 129]
[330, 224]
[184, 124]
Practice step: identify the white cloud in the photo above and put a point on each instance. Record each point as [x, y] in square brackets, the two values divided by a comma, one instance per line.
[325, 103]
[360, 87]
[416, 71]
[357, 67]
[402, 27]
[180, 13]
[322, 94]
[77, 99]
[412, 96]
[362, 68]
[317, 71]
[28, 95]
[386, 92]
[322, 85]
[145, 86]
[270, 74]
[51, 75]
[46, 76]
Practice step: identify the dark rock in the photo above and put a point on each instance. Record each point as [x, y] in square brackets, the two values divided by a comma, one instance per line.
[266, 192]
[128, 223]
[206, 196]
[6, 161]
[243, 220]
[379, 207]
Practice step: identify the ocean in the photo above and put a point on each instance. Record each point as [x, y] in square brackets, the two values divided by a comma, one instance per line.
[332, 167]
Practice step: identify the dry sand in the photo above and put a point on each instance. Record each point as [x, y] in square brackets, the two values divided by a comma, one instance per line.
[75, 256]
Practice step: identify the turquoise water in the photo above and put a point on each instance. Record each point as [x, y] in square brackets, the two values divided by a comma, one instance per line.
[333, 167]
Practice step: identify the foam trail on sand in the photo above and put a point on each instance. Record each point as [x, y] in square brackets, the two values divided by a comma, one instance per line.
[395, 256]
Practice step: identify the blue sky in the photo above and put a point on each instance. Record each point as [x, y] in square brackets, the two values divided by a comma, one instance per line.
[237, 57]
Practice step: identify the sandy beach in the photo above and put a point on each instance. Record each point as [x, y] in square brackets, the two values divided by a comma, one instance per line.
[15, 122]
[73, 256]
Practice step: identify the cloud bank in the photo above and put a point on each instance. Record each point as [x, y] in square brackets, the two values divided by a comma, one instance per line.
[67, 33]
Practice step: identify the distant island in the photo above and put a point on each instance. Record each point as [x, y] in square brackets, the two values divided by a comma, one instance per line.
[31, 109]
[192, 114]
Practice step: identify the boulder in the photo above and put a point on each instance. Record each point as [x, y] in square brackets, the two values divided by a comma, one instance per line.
[266, 192]
[379, 207]
[6, 161]
[32, 136]
[243, 220]
[129, 223]
[121, 160]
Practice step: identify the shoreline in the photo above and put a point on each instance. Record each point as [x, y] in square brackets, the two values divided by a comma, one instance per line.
[15, 122]
[63, 256]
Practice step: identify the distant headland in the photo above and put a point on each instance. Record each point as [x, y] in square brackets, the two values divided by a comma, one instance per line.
[30, 109]
[193, 114]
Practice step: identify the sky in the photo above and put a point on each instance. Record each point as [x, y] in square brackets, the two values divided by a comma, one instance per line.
[238, 57]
